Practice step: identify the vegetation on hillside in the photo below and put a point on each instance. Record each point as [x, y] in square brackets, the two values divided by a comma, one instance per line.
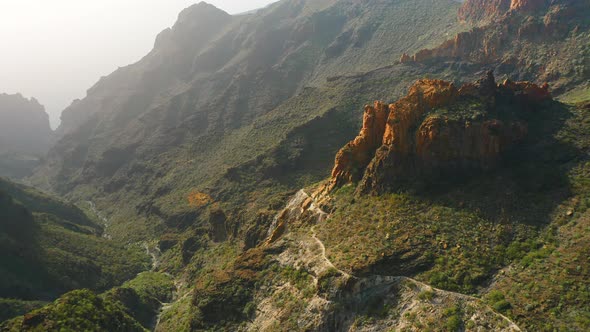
[134, 306]
[513, 235]
[191, 153]
[50, 247]
[141, 164]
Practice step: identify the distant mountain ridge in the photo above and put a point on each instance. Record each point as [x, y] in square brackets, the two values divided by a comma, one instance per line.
[25, 134]
[24, 125]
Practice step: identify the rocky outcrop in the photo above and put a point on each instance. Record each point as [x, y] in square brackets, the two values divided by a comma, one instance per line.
[474, 45]
[357, 154]
[406, 112]
[438, 129]
[405, 58]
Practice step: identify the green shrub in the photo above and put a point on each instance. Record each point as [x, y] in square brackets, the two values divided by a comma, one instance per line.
[497, 300]
[426, 295]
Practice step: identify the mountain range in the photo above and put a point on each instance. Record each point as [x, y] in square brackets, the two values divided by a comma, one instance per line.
[319, 165]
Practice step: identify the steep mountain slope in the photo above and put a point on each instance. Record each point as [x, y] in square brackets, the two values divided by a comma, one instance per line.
[504, 231]
[536, 40]
[50, 247]
[288, 44]
[217, 107]
[131, 307]
[25, 134]
[179, 120]
[331, 257]
[290, 284]
[197, 147]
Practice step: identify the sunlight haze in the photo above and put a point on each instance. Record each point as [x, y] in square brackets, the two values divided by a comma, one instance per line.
[56, 50]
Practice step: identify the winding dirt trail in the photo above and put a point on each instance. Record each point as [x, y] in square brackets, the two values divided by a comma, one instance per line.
[323, 249]
[399, 278]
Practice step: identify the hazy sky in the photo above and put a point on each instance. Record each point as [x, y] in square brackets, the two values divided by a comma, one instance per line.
[54, 50]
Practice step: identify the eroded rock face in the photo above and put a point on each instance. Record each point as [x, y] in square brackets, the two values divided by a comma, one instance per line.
[356, 155]
[405, 58]
[466, 45]
[437, 129]
[406, 112]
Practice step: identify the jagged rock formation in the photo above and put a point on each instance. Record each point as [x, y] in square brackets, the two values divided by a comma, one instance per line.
[358, 153]
[436, 129]
[24, 125]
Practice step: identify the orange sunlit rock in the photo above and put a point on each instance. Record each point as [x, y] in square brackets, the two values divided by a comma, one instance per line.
[198, 199]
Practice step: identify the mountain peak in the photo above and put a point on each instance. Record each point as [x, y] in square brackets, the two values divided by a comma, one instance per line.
[200, 19]
[198, 11]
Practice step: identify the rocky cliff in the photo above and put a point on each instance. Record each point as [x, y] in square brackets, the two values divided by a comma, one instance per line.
[359, 152]
[437, 129]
